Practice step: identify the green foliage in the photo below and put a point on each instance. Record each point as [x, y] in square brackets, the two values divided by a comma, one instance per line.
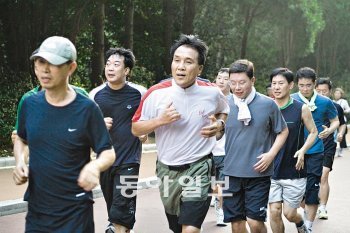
[13, 86]
[142, 76]
[292, 33]
[314, 21]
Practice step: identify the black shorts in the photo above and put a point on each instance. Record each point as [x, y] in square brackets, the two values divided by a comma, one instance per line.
[329, 153]
[314, 172]
[119, 187]
[246, 197]
[77, 218]
[188, 210]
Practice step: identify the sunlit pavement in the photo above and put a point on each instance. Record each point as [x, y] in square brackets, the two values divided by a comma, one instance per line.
[150, 214]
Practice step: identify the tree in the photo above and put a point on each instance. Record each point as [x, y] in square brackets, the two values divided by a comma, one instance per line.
[188, 16]
[97, 58]
[129, 25]
[168, 27]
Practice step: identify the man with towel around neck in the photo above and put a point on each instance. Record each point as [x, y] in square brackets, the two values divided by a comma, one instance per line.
[255, 132]
[323, 110]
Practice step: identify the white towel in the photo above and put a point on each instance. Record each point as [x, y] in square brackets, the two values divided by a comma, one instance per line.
[311, 104]
[243, 109]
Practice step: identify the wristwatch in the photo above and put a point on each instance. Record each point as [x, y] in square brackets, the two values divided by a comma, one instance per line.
[222, 124]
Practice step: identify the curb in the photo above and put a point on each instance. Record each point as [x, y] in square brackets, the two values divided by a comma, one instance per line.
[7, 162]
[18, 205]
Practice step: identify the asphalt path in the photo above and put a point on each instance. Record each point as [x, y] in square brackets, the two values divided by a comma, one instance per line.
[150, 217]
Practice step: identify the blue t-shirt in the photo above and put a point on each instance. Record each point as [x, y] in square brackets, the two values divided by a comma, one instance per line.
[59, 140]
[244, 143]
[325, 111]
[121, 105]
[284, 162]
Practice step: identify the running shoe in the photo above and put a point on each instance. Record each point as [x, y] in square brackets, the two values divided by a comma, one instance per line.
[322, 214]
[302, 229]
[219, 214]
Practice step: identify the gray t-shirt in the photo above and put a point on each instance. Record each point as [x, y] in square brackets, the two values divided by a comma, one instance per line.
[244, 143]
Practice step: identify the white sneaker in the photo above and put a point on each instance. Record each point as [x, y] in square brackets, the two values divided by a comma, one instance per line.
[322, 214]
[219, 215]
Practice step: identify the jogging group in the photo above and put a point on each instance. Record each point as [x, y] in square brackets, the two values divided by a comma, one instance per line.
[267, 153]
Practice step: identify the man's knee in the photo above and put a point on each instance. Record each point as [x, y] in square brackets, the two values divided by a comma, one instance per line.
[275, 211]
[239, 226]
[190, 229]
[290, 214]
[256, 226]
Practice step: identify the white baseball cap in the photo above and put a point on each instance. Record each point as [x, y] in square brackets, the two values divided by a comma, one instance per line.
[56, 50]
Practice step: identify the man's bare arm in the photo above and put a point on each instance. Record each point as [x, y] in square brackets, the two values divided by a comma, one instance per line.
[20, 150]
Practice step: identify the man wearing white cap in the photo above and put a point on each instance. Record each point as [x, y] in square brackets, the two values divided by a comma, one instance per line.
[60, 127]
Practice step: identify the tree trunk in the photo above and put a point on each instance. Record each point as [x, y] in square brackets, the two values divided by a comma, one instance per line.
[129, 25]
[78, 21]
[167, 36]
[97, 58]
[188, 17]
[250, 12]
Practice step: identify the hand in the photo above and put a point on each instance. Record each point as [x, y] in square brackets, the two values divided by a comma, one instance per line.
[325, 133]
[20, 173]
[169, 115]
[263, 163]
[13, 136]
[211, 130]
[89, 176]
[108, 122]
[300, 162]
[340, 137]
[143, 138]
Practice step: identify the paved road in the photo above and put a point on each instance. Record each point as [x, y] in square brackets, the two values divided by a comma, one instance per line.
[151, 219]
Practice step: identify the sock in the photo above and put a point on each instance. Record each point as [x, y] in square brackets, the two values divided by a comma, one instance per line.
[322, 207]
[308, 224]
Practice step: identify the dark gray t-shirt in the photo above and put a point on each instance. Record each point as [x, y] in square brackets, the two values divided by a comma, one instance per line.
[244, 143]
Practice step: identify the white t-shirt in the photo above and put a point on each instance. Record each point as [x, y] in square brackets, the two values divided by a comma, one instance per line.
[219, 149]
[180, 142]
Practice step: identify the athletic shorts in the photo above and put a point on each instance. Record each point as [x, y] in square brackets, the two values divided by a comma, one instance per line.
[329, 153]
[219, 166]
[119, 187]
[314, 172]
[291, 191]
[246, 197]
[77, 218]
[184, 192]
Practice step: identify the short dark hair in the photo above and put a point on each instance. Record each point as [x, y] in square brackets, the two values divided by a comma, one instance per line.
[326, 80]
[306, 72]
[129, 58]
[242, 66]
[194, 42]
[224, 70]
[285, 72]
